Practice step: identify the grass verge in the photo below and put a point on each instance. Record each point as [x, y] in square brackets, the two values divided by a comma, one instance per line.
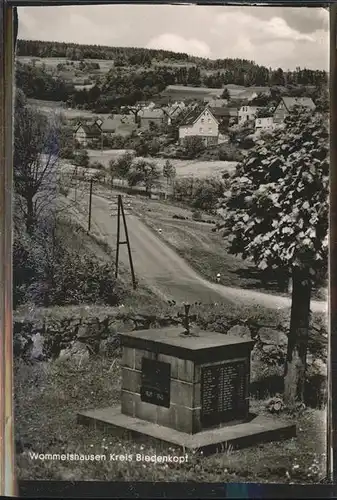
[207, 251]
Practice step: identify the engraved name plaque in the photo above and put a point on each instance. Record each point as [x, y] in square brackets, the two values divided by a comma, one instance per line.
[155, 382]
[224, 393]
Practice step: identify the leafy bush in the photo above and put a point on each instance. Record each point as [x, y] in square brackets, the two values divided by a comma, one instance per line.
[67, 153]
[200, 194]
[229, 153]
[24, 268]
[75, 280]
[97, 165]
[222, 152]
[82, 158]
[53, 268]
[207, 193]
[196, 215]
[192, 146]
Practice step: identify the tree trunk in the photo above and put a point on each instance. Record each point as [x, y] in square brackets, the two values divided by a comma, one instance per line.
[294, 379]
[30, 215]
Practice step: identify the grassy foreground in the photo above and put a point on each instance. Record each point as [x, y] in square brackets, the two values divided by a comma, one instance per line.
[48, 395]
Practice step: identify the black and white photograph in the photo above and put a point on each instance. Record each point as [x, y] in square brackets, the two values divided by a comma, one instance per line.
[170, 255]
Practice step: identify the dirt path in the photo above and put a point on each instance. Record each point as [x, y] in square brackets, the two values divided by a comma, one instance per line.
[167, 273]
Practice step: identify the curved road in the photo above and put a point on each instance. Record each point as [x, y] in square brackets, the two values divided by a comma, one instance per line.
[165, 272]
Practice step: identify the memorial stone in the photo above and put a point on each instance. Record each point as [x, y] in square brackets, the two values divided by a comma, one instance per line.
[190, 391]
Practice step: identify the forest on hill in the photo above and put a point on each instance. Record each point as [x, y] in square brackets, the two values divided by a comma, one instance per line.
[122, 56]
[76, 52]
[135, 75]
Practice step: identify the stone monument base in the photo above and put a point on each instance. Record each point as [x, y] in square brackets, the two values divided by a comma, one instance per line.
[258, 429]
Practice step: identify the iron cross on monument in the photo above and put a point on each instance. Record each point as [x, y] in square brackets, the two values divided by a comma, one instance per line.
[186, 322]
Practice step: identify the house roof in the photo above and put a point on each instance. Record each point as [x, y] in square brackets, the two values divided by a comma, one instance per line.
[108, 125]
[175, 110]
[172, 110]
[192, 116]
[219, 112]
[92, 130]
[306, 102]
[233, 112]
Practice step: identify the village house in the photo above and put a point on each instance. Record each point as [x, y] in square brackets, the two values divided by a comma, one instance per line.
[265, 123]
[179, 104]
[226, 116]
[85, 133]
[107, 126]
[247, 113]
[200, 122]
[119, 124]
[152, 116]
[173, 111]
[286, 104]
[220, 113]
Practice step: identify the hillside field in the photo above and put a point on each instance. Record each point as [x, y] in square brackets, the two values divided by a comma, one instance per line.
[184, 168]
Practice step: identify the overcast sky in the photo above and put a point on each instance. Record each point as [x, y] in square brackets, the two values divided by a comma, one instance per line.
[273, 36]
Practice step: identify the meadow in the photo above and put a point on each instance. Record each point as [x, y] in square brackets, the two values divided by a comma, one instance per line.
[52, 62]
[54, 107]
[184, 168]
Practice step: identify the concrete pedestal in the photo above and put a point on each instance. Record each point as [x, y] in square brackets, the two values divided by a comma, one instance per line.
[190, 391]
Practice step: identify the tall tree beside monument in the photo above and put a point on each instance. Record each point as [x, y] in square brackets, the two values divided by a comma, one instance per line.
[36, 152]
[277, 215]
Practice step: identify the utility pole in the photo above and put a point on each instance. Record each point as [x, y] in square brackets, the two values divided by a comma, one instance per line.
[120, 213]
[76, 181]
[90, 204]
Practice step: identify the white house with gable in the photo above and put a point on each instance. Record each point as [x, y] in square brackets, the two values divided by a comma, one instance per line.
[247, 113]
[287, 104]
[265, 123]
[200, 122]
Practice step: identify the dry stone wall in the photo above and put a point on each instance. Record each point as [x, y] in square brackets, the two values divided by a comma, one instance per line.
[47, 337]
